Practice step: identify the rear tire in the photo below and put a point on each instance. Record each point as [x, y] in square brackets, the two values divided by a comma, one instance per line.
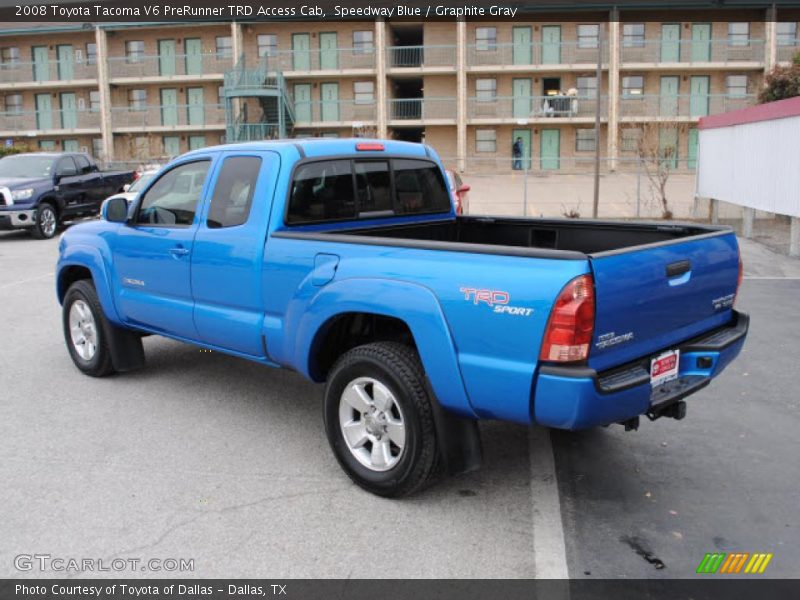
[85, 330]
[379, 419]
[46, 225]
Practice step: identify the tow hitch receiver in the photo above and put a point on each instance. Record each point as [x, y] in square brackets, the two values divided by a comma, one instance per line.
[676, 410]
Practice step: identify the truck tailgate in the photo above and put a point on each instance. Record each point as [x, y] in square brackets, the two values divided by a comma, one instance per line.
[652, 297]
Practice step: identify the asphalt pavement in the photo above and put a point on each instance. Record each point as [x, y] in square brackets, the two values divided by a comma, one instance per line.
[210, 458]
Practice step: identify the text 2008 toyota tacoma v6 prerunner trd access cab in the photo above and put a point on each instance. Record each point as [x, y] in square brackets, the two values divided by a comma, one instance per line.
[344, 260]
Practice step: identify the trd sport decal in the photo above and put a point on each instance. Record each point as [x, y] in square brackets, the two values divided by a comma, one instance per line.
[496, 299]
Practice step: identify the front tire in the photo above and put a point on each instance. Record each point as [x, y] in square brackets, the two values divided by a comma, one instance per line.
[84, 330]
[379, 419]
[46, 224]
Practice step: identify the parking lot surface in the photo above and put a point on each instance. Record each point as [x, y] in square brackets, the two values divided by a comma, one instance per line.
[207, 457]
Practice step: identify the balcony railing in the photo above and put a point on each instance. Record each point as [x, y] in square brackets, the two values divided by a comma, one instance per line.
[534, 107]
[306, 113]
[171, 65]
[49, 120]
[681, 106]
[422, 109]
[51, 70]
[250, 132]
[786, 53]
[398, 57]
[693, 51]
[174, 115]
[537, 54]
[336, 59]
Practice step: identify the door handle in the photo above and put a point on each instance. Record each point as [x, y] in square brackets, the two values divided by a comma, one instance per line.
[679, 268]
[179, 251]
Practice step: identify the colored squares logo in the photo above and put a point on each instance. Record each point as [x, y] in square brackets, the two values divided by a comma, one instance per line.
[734, 563]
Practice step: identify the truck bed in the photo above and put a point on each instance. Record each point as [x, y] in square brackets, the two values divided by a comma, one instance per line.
[552, 238]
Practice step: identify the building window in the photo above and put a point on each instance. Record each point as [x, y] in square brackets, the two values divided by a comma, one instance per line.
[363, 42]
[633, 86]
[486, 90]
[91, 53]
[486, 140]
[364, 92]
[97, 148]
[224, 46]
[630, 139]
[134, 51]
[786, 34]
[633, 35]
[267, 44]
[137, 99]
[736, 85]
[47, 145]
[588, 36]
[9, 57]
[196, 142]
[584, 140]
[738, 34]
[13, 103]
[587, 87]
[486, 38]
[94, 101]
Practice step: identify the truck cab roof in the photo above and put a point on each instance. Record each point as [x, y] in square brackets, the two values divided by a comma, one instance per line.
[320, 147]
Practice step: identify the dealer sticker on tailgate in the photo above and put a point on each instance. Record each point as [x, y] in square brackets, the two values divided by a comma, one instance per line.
[664, 367]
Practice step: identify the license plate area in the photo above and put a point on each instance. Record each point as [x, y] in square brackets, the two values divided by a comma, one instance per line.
[664, 367]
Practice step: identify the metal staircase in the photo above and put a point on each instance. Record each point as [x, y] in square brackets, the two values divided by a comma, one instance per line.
[257, 103]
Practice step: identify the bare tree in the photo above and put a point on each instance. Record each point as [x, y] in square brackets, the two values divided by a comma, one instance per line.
[657, 151]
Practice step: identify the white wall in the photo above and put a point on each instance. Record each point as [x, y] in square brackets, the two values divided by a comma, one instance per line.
[755, 165]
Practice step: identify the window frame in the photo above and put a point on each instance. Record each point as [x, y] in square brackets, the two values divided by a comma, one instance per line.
[579, 39]
[91, 57]
[488, 44]
[477, 141]
[17, 109]
[356, 93]
[625, 90]
[134, 56]
[9, 58]
[733, 36]
[492, 88]
[227, 48]
[579, 88]
[789, 39]
[266, 47]
[622, 141]
[377, 157]
[135, 107]
[363, 46]
[134, 219]
[578, 139]
[728, 85]
[634, 40]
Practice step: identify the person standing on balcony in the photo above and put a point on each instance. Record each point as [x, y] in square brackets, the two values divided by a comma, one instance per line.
[516, 153]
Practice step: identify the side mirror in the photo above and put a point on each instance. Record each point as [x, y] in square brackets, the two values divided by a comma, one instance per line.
[57, 178]
[115, 210]
[464, 187]
[126, 187]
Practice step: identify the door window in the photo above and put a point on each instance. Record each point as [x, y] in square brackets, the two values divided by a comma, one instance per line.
[233, 192]
[66, 167]
[172, 200]
[83, 163]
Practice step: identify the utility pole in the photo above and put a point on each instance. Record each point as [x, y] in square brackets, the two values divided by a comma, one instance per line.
[598, 95]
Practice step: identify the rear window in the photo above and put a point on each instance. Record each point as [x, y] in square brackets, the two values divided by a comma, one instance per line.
[361, 189]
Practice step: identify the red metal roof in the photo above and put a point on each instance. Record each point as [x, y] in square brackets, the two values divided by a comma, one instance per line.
[752, 114]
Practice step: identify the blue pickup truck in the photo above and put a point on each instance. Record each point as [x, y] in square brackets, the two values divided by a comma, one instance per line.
[345, 261]
[39, 190]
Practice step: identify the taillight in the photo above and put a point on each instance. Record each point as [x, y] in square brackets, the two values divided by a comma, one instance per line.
[739, 279]
[369, 147]
[571, 325]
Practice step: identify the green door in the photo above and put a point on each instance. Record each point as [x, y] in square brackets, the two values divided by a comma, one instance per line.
[670, 42]
[551, 44]
[691, 157]
[525, 134]
[521, 103]
[701, 42]
[166, 58]
[195, 109]
[328, 53]
[302, 102]
[669, 96]
[194, 56]
[44, 112]
[41, 66]
[66, 62]
[169, 107]
[70, 145]
[522, 51]
[172, 145]
[330, 101]
[668, 146]
[301, 52]
[698, 102]
[69, 111]
[196, 142]
[550, 151]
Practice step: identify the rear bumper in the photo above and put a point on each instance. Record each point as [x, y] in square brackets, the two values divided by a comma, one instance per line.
[15, 219]
[575, 397]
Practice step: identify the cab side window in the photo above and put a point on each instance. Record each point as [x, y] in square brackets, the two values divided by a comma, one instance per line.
[172, 200]
[66, 167]
[233, 192]
[83, 164]
[322, 191]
